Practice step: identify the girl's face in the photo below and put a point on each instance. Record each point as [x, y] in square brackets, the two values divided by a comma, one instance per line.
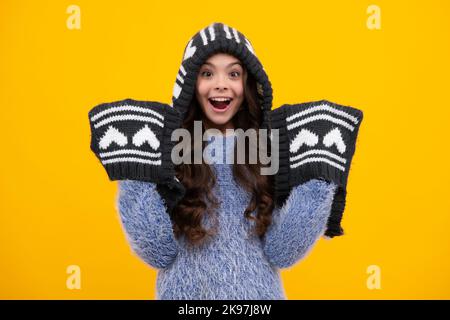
[220, 90]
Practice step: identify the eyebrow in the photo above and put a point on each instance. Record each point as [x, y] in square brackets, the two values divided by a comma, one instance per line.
[236, 62]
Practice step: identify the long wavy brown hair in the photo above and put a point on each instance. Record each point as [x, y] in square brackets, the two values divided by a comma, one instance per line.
[199, 179]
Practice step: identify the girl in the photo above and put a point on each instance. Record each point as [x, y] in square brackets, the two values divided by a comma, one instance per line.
[226, 238]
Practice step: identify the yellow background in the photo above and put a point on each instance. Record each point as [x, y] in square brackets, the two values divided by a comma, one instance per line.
[57, 205]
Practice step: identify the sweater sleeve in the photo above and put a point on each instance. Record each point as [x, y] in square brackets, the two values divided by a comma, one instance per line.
[147, 224]
[299, 223]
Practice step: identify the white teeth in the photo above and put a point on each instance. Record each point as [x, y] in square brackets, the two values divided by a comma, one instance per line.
[220, 99]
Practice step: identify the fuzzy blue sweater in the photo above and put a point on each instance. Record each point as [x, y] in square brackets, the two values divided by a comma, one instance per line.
[236, 264]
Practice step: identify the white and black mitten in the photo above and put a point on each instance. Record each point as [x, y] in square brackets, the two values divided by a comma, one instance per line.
[132, 140]
[316, 141]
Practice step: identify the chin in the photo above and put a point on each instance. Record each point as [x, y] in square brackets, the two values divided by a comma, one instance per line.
[220, 121]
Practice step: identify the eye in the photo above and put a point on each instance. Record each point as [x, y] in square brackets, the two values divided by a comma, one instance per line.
[236, 73]
[205, 72]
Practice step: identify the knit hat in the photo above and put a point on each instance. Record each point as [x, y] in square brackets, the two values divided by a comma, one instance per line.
[218, 37]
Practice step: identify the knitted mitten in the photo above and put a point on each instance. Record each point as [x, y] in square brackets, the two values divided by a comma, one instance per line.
[132, 140]
[316, 141]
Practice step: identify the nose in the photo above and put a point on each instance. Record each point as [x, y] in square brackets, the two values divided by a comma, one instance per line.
[221, 83]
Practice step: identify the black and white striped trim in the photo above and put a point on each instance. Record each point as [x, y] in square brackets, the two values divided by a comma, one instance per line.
[310, 156]
[124, 131]
[337, 120]
[348, 122]
[130, 112]
[316, 140]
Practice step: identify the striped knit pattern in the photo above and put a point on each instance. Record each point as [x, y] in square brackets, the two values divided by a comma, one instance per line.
[132, 139]
[317, 141]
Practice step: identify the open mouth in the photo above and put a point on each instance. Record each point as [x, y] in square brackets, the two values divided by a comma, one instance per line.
[220, 104]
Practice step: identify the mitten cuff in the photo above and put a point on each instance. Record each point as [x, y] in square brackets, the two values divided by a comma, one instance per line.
[282, 186]
[334, 221]
[173, 121]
